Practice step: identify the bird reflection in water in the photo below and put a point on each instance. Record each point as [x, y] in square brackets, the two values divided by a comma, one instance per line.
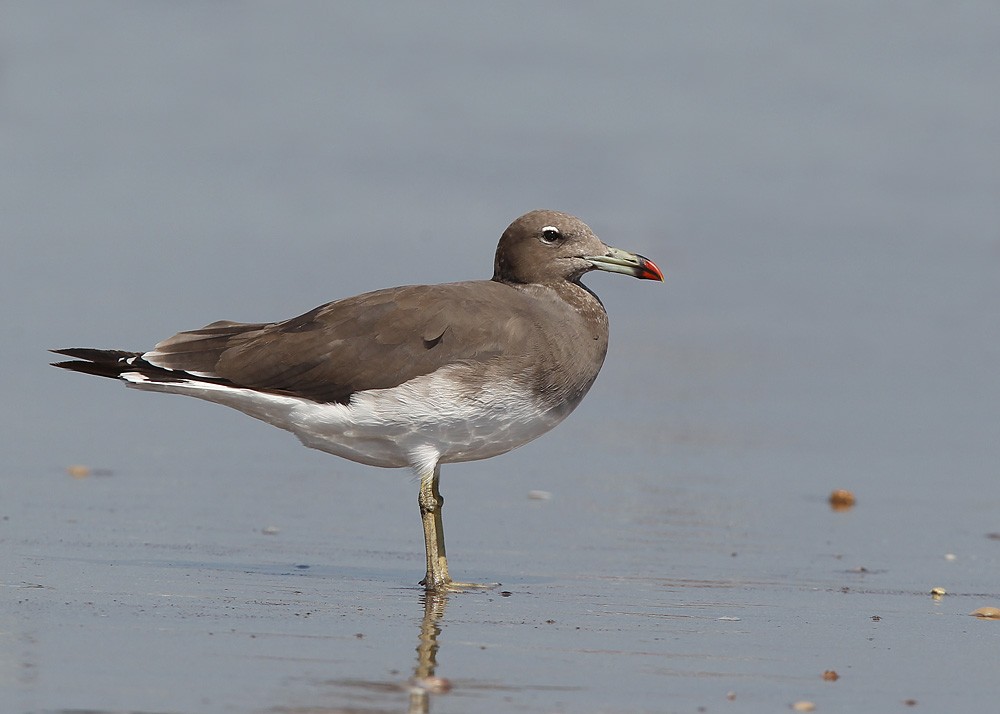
[420, 687]
[425, 682]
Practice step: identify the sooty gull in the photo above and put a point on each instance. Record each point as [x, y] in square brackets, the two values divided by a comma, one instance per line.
[414, 376]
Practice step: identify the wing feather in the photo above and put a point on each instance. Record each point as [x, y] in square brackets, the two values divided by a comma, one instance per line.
[376, 340]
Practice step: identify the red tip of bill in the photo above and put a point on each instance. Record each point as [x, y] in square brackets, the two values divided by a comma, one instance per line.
[648, 270]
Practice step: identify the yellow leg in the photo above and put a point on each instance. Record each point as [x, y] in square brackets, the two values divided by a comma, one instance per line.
[431, 502]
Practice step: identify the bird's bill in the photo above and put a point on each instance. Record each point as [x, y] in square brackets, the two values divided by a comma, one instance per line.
[621, 261]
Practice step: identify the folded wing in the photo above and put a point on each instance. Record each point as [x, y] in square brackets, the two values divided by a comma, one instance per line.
[373, 341]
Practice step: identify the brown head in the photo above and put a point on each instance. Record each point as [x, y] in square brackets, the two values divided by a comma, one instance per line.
[550, 246]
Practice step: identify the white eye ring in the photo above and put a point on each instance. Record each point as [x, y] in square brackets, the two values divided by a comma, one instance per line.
[550, 235]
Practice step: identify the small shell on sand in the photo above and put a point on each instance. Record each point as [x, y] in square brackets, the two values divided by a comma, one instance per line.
[841, 499]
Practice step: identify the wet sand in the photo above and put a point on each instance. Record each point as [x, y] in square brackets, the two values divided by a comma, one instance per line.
[161, 591]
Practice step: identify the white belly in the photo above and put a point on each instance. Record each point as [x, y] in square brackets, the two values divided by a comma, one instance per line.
[420, 422]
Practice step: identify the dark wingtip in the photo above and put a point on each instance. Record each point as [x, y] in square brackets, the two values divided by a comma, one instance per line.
[75, 365]
[94, 355]
[102, 363]
[98, 370]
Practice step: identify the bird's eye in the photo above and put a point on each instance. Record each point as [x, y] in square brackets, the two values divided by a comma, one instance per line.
[550, 235]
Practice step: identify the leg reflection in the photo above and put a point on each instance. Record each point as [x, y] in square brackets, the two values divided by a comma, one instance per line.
[425, 682]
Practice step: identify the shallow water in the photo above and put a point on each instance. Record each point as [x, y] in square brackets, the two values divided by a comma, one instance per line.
[819, 186]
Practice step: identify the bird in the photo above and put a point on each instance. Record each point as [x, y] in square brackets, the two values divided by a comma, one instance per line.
[414, 376]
